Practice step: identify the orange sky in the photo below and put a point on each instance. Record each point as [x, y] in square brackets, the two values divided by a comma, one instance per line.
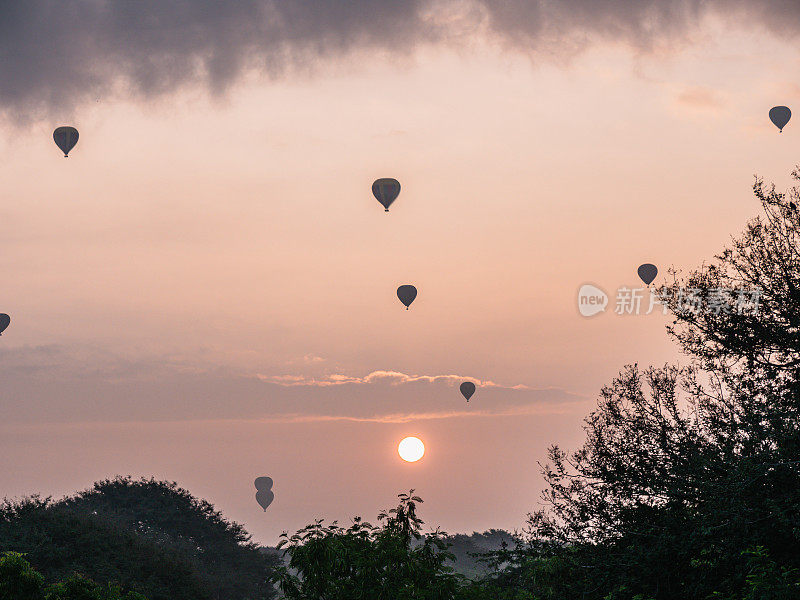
[197, 253]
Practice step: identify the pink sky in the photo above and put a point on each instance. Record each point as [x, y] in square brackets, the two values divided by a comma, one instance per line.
[198, 253]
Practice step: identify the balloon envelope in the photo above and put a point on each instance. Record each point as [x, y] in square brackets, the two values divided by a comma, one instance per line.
[407, 293]
[467, 389]
[780, 116]
[65, 138]
[386, 191]
[264, 498]
[263, 483]
[5, 321]
[647, 273]
[264, 495]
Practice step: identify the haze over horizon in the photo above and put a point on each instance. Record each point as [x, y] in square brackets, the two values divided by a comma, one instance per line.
[204, 291]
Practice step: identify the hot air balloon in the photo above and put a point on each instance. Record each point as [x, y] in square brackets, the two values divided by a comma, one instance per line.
[386, 191]
[264, 495]
[407, 293]
[647, 273]
[5, 321]
[467, 389]
[65, 138]
[780, 116]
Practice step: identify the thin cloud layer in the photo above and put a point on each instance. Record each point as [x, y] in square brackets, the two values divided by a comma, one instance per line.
[58, 385]
[56, 55]
[387, 377]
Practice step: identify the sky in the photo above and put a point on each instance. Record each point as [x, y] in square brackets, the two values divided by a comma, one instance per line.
[204, 291]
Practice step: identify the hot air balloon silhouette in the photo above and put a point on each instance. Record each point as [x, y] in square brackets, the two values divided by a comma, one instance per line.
[386, 191]
[5, 321]
[467, 389]
[65, 138]
[407, 293]
[647, 273]
[264, 495]
[780, 116]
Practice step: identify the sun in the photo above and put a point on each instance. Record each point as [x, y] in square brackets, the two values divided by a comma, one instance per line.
[411, 449]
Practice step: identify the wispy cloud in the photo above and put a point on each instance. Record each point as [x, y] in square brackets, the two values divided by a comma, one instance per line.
[312, 359]
[429, 416]
[299, 418]
[375, 377]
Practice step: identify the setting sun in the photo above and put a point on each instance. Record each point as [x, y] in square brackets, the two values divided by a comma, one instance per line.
[411, 449]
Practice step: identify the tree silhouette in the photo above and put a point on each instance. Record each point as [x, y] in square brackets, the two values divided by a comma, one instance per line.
[389, 562]
[149, 536]
[688, 483]
[19, 581]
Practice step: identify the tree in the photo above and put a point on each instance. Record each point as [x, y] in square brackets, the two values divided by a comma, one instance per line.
[78, 587]
[391, 562]
[221, 552]
[686, 471]
[753, 292]
[148, 536]
[18, 580]
[59, 541]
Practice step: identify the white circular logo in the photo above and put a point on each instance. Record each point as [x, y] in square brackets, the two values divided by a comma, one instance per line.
[591, 300]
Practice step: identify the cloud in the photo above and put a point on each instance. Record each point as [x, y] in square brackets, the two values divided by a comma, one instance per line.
[389, 377]
[56, 55]
[537, 409]
[65, 385]
[299, 418]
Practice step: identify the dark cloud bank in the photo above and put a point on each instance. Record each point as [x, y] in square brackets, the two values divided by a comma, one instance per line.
[56, 54]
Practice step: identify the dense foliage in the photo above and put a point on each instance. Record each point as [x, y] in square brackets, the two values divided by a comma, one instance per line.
[366, 561]
[19, 581]
[146, 535]
[220, 552]
[469, 550]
